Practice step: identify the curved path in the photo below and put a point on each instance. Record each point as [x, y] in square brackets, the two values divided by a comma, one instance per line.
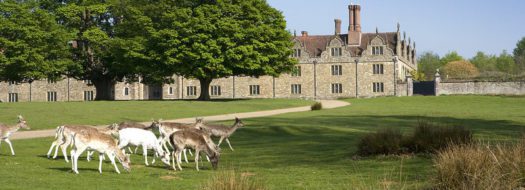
[327, 104]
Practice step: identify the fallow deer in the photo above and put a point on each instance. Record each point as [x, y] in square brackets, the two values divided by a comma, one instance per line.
[144, 138]
[167, 128]
[6, 131]
[188, 139]
[222, 131]
[63, 137]
[104, 144]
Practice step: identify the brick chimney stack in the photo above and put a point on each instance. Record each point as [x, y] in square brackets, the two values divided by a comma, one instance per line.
[337, 26]
[354, 30]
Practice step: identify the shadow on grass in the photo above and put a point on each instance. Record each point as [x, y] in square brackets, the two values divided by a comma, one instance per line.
[328, 139]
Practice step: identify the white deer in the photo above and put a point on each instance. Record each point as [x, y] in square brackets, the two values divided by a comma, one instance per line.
[144, 138]
[104, 144]
[6, 131]
[188, 139]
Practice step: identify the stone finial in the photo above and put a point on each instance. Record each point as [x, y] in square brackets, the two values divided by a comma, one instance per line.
[294, 33]
[437, 73]
[398, 26]
[409, 41]
[414, 44]
[404, 35]
[377, 30]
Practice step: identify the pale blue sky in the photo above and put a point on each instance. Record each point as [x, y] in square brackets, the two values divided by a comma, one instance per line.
[466, 26]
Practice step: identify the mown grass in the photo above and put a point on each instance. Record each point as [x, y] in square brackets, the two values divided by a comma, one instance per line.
[307, 150]
[47, 115]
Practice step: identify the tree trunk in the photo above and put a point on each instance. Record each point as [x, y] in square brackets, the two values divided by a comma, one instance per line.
[205, 89]
[104, 89]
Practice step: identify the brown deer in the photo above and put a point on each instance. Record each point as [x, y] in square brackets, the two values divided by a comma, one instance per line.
[188, 139]
[222, 131]
[6, 131]
[103, 143]
[63, 137]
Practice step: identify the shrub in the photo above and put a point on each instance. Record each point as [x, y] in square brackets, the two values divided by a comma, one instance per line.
[460, 70]
[384, 141]
[479, 166]
[316, 106]
[231, 180]
[429, 137]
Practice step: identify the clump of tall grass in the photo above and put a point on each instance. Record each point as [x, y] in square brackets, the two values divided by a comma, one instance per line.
[427, 138]
[481, 166]
[430, 137]
[384, 141]
[231, 180]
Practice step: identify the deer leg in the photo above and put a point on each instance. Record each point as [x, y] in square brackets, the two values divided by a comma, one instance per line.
[73, 152]
[208, 158]
[189, 151]
[179, 153]
[10, 146]
[89, 154]
[220, 141]
[51, 149]
[228, 141]
[185, 156]
[111, 157]
[100, 158]
[136, 149]
[63, 146]
[173, 157]
[145, 153]
[197, 159]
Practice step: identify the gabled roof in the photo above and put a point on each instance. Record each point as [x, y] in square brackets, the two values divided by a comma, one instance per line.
[316, 44]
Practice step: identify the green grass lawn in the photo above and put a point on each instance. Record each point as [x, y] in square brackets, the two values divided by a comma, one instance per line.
[308, 150]
[47, 115]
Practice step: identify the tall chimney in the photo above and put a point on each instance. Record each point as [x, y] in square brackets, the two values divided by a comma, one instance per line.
[357, 18]
[337, 26]
[304, 33]
[354, 30]
[351, 27]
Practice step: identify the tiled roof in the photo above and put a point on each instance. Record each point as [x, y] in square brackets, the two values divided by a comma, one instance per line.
[316, 44]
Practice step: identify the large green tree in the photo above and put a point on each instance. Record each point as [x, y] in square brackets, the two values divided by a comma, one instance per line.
[32, 44]
[109, 41]
[428, 63]
[210, 39]
[484, 62]
[519, 55]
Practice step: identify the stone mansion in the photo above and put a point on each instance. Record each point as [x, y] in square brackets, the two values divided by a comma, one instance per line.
[354, 64]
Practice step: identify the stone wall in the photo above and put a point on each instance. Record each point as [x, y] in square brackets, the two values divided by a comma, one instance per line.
[482, 88]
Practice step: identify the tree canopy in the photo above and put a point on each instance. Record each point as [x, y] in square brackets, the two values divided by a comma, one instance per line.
[32, 45]
[428, 63]
[519, 55]
[206, 40]
[460, 70]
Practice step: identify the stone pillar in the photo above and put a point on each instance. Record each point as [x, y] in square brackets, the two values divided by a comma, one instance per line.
[410, 86]
[437, 81]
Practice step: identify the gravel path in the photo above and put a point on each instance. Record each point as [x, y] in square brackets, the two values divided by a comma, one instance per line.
[327, 104]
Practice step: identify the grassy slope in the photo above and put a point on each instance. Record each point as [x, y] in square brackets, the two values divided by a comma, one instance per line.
[44, 115]
[309, 150]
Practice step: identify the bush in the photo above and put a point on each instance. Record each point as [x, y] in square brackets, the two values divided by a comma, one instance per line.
[478, 166]
[384, 141]
[426, 138]
[460, 70]
[429, 137]
[316, 106]
[230, 180]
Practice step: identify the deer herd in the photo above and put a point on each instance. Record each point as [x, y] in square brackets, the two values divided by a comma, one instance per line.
[113, 141]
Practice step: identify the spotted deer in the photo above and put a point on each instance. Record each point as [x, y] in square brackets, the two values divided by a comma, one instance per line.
[7, 130]
[103, 143]
[63, 137]
[188, 139]
[167, 128]
[222, 131]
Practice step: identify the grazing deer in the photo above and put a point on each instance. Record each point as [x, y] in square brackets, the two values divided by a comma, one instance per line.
[188, 139]
[104, 144]
[222, 131]
[167, 128]
[130, 124]
[144, 138]
[63, 137]
[6, 131]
